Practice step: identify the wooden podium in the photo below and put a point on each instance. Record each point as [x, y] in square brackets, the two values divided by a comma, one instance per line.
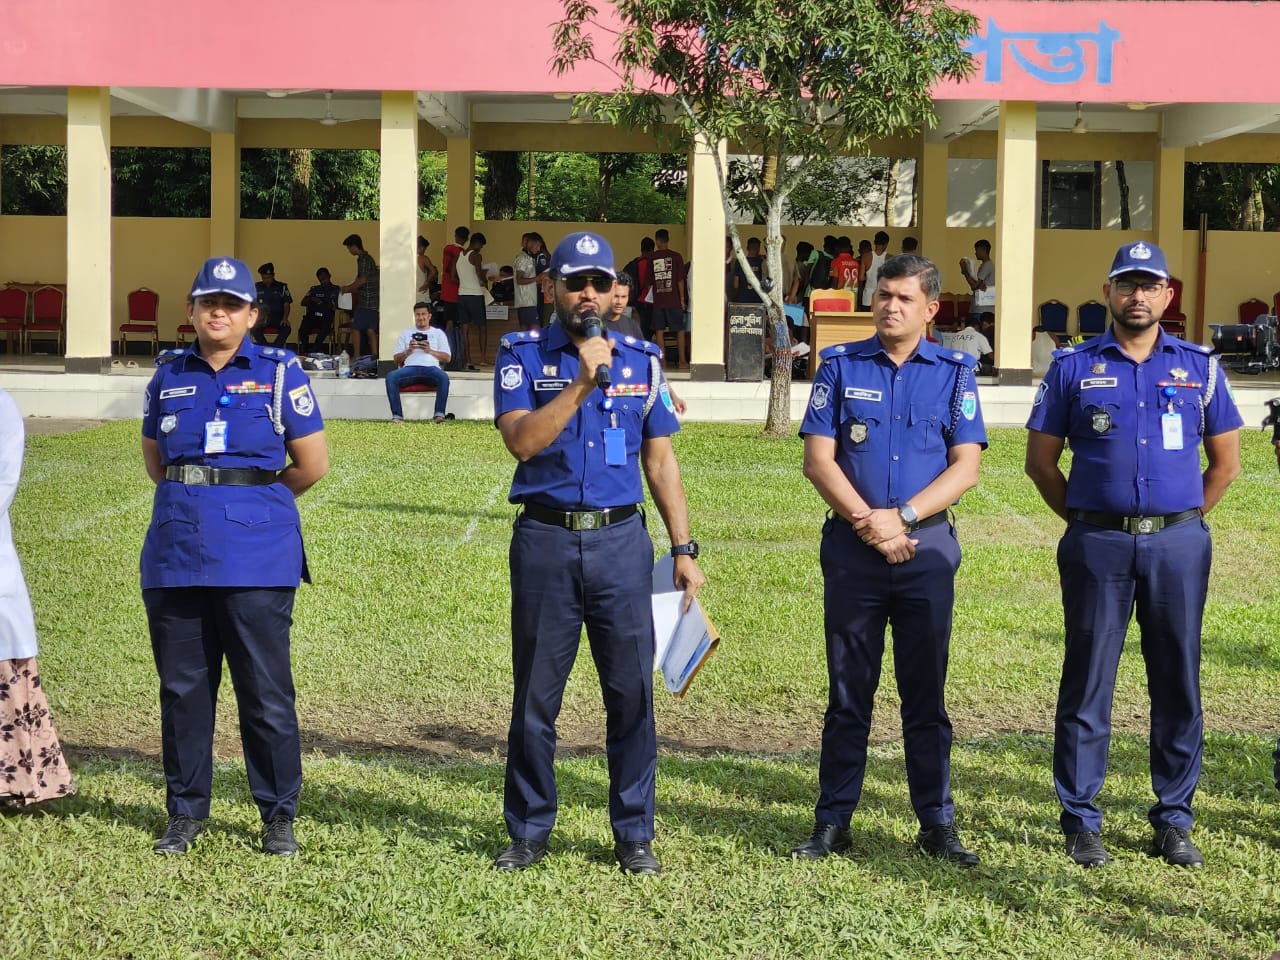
[833, 319]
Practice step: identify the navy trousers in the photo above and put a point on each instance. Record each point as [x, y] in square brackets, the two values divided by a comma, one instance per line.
[561, 579]
[192, 629]
[862, 594]
[1105, 575]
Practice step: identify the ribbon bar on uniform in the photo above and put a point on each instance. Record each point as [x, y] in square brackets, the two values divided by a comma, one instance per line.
[579, 519]
[1114, 521]
[197, 475]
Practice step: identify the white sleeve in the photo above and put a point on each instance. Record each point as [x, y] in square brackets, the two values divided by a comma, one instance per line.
[12, 446]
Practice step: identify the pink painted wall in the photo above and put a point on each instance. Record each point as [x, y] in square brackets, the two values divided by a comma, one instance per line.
[1197, 51]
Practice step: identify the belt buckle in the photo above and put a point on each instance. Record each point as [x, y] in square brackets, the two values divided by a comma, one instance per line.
[585, 520]
[195, 475]
[1146, 525]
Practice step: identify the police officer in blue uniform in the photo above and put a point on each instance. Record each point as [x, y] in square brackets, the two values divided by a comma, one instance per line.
[230, 436]
[1135, 404]
[580, 552]
[274, 303]
[893, 435]
[321, 306]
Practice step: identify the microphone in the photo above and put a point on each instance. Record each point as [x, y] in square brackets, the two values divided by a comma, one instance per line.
[591, 320]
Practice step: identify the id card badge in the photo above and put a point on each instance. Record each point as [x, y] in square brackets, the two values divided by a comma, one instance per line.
[615, 447]
[1171, 427]
[215, 436]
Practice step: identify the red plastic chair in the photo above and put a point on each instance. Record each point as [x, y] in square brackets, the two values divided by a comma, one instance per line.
[13, 318]
[1251, 310]
[144, 307]
[47, 316]
[186, 333]
[1174, 320]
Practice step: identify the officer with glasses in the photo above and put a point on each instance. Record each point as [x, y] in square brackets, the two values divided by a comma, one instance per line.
[582, 415]
[1136, 404]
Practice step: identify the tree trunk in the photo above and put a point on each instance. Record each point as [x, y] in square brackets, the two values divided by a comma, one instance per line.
[603, 182]
[777, 422]
[504, 171]
[299, 183]
[891, 189]
[1123, 181]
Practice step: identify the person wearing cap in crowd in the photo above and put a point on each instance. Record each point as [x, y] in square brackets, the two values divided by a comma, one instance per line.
[580, 551]
[364, 288]
[231, 436]
[321, 306]
[274, 304]
[421, 352]
[1136, 405]
[893, 436]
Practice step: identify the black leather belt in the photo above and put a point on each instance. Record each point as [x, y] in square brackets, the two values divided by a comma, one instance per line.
[1136, 525]
[579, 519]
[942, 516]
[196, 475]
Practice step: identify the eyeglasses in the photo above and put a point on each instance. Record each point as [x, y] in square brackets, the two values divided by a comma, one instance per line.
[577, 282]
[1127, 288]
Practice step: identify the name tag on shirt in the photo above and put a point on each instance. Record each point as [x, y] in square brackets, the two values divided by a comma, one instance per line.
[1095, 382]
[550, 384]
[1171, 428]
[861, 393]
[177, 392]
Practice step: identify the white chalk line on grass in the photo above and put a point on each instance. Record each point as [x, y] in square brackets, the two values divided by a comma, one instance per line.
[84, 521]
[475, 517]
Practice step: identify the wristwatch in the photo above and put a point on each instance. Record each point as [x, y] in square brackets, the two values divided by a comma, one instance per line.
[689, 549]
[909, 516]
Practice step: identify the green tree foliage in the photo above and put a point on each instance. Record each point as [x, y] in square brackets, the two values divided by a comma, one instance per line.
[829, 190]
[795, 82]
[33, 180]
[1236, 196]
[285, 184]
[159, 182]
[433, 169]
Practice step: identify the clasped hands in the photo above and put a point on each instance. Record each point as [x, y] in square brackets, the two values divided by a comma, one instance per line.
[884, 530]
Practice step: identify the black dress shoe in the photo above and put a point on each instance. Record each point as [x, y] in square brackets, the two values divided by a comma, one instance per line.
[278, 839]
[1087, 850]
[825, 840]
[1176, 847]
[521, 854]
[179, 835]
[944, 843]
[636, 858]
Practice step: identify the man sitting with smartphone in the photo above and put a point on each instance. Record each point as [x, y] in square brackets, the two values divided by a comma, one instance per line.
[420, 351]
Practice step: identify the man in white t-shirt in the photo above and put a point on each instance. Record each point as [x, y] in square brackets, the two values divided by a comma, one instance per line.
[970, 340]
[980, 274]
[420, 351]
[527, 291]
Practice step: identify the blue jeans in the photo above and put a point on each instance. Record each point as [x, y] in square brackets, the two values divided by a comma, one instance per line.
[404, 376]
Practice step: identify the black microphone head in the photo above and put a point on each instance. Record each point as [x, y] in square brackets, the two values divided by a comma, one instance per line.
[591, 323]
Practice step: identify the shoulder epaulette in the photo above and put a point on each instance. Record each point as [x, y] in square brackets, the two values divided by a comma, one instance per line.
[833, 351]
[520, 338]
[959, 358]
[646, 345]
[278, 354]
[167, 356]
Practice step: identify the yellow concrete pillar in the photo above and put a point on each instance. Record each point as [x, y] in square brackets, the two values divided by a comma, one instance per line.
[706, 227]
[460, 184]
[1015, 243]
[224, 194]
[88, 307]
[1169, 173]
[933, 202]
[397, 219]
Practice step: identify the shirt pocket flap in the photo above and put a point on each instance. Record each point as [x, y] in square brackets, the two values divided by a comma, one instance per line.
[248, 514]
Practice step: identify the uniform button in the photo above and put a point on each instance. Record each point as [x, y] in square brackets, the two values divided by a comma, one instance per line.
[1142, 403]
[898, 378]
[897, 416]
[1143, 440]
[895, 456]
[591, 443]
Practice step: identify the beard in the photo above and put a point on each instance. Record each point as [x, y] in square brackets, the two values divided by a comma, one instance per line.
[570, 318]
[1135, 322]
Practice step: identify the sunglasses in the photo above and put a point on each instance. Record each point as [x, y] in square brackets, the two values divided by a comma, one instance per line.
[577, 282]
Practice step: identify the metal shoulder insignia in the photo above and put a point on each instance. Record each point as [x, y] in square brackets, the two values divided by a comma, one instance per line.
[1063, 352]
[167, 356]
[520, 338]
[1202, 347]
[278, 354]
[959, 358]
[833, 351]
[647, 346]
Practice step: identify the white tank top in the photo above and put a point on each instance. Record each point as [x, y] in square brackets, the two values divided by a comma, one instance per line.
[469, 284]
[873, 276]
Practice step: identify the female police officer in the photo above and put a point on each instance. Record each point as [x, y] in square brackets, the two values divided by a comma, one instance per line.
[223, 554]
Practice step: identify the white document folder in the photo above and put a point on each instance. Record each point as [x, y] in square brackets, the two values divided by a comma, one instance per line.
[682, 641]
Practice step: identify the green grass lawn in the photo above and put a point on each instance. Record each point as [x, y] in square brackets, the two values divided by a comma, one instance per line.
[402, 661]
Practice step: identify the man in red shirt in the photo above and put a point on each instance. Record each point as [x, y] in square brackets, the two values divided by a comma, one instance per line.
[449, 294]
[845, 268]
[669, 296]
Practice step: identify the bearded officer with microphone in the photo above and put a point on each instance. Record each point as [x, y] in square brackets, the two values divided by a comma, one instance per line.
[581, 414]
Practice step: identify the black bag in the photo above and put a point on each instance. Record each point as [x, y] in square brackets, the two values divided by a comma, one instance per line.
[365, 367]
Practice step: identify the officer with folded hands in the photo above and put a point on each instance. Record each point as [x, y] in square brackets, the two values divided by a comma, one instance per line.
[231, 435]
[1136, 405]
[582, 415]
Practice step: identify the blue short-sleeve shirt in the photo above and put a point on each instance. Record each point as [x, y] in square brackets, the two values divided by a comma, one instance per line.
[1134, 428]
[893, 425]
[226, 535]
[572, 473]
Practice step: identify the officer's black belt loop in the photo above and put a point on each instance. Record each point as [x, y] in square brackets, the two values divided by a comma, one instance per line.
[197, 475]
[579, 519]
[1135, 525]
[942, 516]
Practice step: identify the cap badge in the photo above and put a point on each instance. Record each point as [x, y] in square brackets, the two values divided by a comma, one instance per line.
[1140, 251]
[549, 370]
[626, 371]
[587, 245]
[1178, 373]
[224, 271]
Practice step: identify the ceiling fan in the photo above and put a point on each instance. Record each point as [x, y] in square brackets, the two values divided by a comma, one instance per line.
[279, 94]
[329, 120]
[1079, 126]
